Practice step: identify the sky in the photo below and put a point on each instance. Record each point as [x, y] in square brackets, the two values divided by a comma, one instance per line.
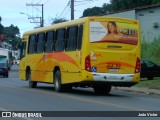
[16, 12]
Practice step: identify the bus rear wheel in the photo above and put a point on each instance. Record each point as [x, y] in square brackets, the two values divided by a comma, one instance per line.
[102, 89]
[32, 84]
[57, 81]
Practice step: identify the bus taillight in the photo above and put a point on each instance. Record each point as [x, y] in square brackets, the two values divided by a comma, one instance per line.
[88, 63]
[138, 66]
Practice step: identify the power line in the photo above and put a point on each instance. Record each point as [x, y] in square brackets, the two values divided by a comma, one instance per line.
[46, 2]
[64, 9]
[66, 12]
[32, 1]
[39, 1]
[86, 0]
[41, 18]
[82, 2]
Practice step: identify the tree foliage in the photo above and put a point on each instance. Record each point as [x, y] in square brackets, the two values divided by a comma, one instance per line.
[118, 5]
[11, 35]
[1, 29]
[58, 20]
[128, 4]
[93, 11]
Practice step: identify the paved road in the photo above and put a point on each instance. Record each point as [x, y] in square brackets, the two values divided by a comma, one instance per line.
[15, 95]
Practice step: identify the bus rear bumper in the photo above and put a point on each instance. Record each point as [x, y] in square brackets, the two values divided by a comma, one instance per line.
[107, 77]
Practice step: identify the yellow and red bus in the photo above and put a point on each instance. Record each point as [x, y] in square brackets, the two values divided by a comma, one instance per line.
[97, 52]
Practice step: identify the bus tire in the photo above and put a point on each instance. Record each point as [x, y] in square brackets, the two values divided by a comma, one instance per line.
[32, 84]
[102, 89]
[57, 81]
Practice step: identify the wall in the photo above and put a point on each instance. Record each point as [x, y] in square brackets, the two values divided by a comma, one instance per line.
[126, 14]
[148, 19]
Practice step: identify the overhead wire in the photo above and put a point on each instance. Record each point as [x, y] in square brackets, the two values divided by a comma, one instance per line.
[67, 7]
[66, 13]
[82, 2]
[46, 2]
[32, 1]
[39, 1]
[64, 9]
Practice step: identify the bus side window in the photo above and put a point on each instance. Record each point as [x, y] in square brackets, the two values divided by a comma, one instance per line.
[40, 42]
[71, 42]
[60, 40]
[32, 44]
[80, 37]
[23, 50]
[49, 47]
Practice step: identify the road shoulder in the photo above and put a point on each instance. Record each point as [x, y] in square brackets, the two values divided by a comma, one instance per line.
[140, 90]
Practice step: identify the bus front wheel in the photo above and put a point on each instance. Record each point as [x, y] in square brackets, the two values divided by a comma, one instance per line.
[102, 89]
[32, 84]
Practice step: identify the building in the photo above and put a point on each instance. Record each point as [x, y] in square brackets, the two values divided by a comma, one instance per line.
[149, 17]
[5, 45]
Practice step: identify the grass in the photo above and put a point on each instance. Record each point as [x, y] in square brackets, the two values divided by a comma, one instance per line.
[151, 84]
[150, 50]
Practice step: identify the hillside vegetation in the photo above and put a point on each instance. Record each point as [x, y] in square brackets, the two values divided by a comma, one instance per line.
[151, 50]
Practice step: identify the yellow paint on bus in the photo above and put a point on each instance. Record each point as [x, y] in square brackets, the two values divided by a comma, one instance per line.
[97, 52]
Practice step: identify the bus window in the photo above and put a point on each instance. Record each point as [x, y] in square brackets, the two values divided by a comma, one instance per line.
[60, 40]
[71, 43]
[40, 42]
[23, 50]
[32, 44]
[80, 36]
[50, 41]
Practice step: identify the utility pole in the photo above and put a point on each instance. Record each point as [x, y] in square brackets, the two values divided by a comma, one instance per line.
[72, 9]
[42, 16]
[42, 19]
[0, 19]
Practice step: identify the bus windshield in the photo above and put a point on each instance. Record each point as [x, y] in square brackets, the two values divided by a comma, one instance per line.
[3, 59]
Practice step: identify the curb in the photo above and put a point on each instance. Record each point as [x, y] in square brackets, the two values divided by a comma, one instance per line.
[146, 91]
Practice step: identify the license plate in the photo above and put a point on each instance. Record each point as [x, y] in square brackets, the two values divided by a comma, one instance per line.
[113, 69]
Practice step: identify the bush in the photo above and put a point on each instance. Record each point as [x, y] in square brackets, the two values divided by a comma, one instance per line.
[151, 50]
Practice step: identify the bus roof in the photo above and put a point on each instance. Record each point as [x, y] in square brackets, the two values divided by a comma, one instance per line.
[58, 25]
[72, 23]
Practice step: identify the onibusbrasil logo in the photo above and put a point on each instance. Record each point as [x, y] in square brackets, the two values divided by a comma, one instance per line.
[21, 114]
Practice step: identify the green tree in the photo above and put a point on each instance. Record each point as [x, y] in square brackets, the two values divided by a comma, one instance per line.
[107, 8]
[93, 11]
[12, 35]
[128, 4]
[156, 1]
[1, 29]
[118, 5]
[58, 20]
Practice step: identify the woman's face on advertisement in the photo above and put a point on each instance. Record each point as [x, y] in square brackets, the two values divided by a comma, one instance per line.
[111, 27]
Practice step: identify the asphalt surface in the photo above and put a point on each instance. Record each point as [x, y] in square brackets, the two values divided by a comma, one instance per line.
[15, 95]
